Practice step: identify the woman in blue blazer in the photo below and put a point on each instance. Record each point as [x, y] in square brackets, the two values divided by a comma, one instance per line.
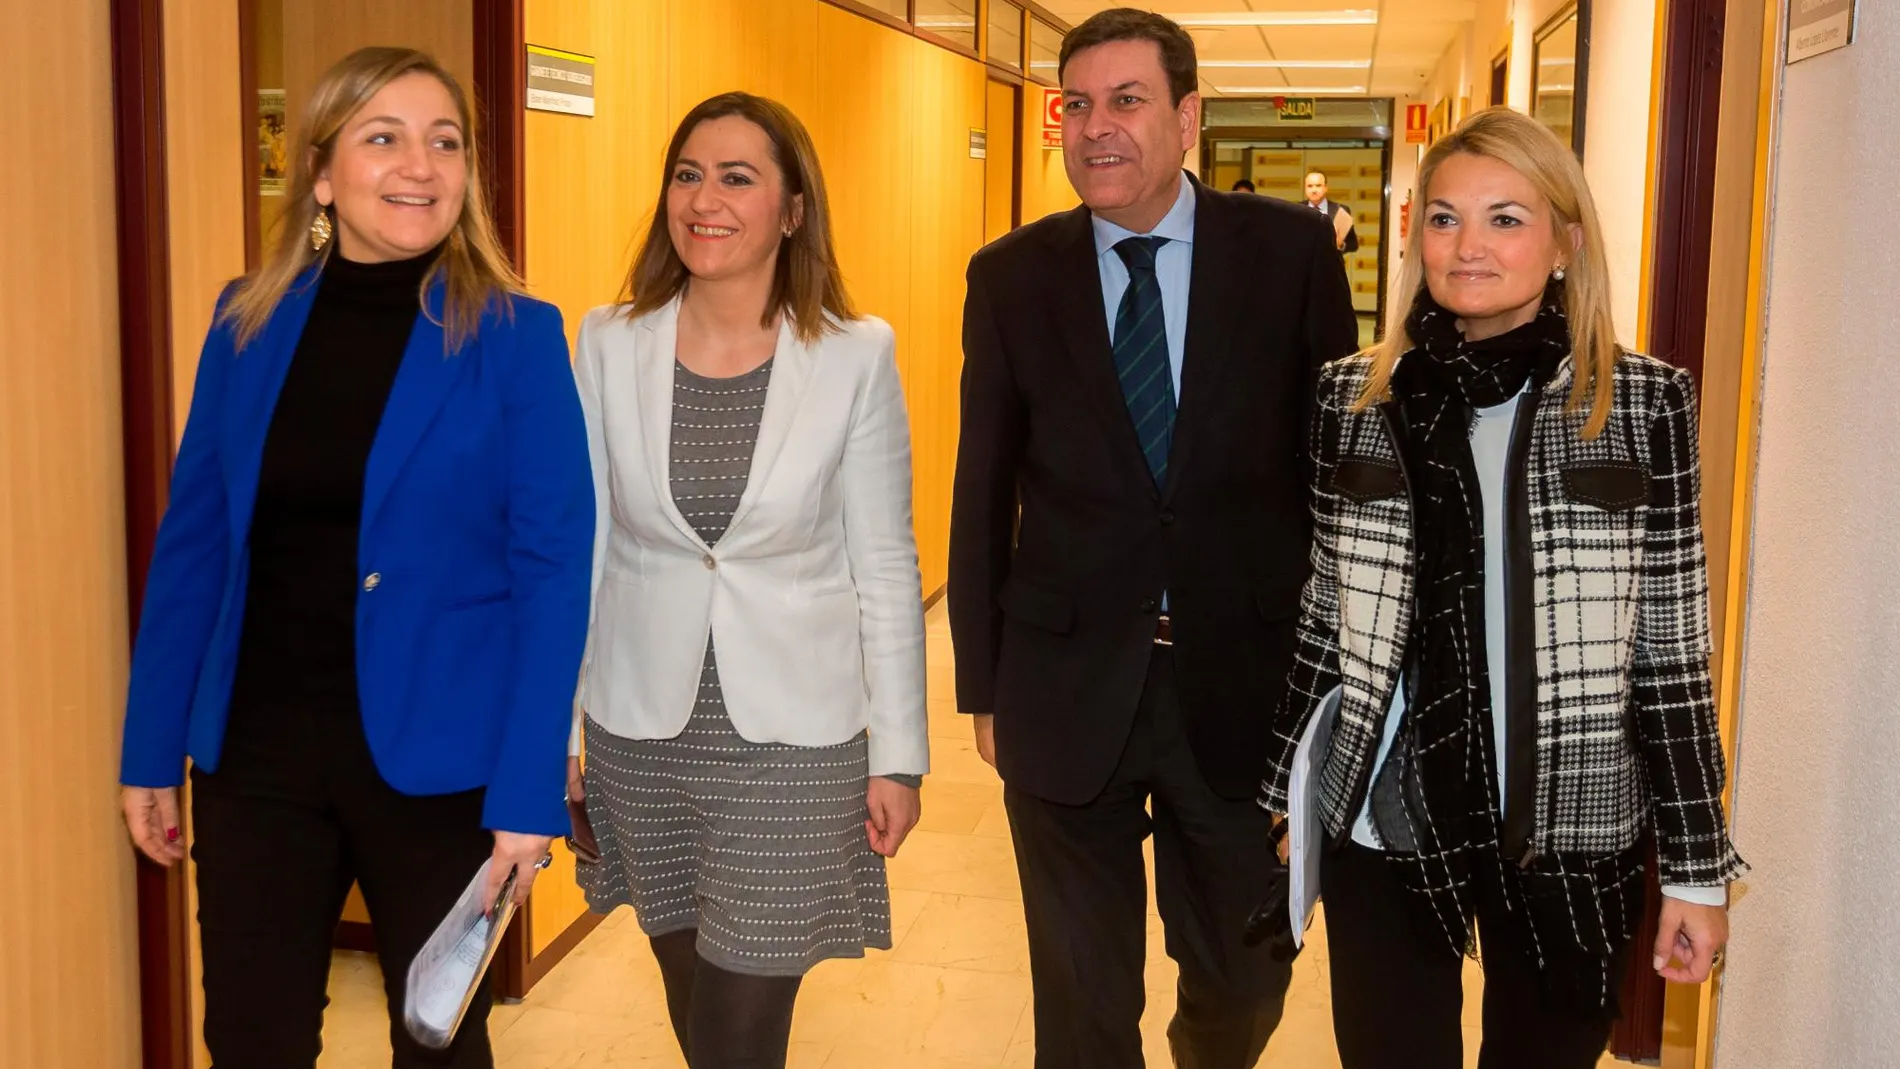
[369, 598]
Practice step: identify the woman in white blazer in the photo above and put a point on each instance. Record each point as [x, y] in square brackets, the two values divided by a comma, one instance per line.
[752, 703]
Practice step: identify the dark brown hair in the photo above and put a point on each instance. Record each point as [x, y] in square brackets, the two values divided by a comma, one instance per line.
[1128, 24]
[472, 264]
[807, 284]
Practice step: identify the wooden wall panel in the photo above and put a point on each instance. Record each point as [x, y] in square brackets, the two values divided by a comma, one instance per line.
[317, 33]
[999, 170]
[68, 942]
[760, 46]
[947, 197]
[1046, 187]
[204, 163]
[592, 183]
[862, 68]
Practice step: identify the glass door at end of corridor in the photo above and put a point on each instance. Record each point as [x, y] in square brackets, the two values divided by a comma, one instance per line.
[1347, 141]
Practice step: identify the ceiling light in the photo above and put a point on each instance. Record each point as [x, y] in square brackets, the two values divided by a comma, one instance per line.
[1290, 90]
[1359, 17]
[1293, 64]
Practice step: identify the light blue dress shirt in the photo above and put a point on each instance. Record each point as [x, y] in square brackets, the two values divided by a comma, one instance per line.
[1174, 268]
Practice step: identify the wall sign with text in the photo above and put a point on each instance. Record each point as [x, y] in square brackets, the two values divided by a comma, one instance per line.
[1816, 27]
[560, 81]
[1051, 118]
[1418, 124]
[1296, 109]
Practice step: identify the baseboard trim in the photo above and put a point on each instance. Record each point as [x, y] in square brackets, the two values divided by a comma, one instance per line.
[540, 964]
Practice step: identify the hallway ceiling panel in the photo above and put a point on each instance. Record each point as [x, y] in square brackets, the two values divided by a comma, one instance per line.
[1308, 47]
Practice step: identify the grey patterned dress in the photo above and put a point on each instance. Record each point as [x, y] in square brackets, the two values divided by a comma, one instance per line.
[761, 847]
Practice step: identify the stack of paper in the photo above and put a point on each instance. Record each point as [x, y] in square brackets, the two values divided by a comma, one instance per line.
[444, 976]
[1306, 835]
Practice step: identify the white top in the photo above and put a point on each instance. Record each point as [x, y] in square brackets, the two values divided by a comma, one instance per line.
[813, 590]
[1491, 453]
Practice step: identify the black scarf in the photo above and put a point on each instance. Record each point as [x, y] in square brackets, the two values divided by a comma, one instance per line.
[1435, 803]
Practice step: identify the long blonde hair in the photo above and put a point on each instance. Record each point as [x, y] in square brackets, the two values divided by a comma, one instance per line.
[1530, 148]
[807, 283]
[476, 270]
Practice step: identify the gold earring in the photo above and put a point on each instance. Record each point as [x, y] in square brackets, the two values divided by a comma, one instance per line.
[320, 229]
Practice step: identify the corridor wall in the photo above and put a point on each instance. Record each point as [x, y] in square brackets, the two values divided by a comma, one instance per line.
[891, 116]
[68, 940]
[204, 174]
[1617, 116]
[1046, 188]
[1810, 979]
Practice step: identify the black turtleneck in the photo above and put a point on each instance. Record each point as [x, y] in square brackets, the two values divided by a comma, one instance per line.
[299, 638]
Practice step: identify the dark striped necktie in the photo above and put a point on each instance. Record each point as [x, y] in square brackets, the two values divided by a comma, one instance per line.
[1141, 354]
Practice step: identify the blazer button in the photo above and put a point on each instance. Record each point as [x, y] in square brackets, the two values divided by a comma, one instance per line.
[372, 581]
[709, 562]
[1149, 605]
[1167, 517]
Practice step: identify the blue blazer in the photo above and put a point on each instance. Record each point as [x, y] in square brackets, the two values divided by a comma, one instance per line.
[476, 552]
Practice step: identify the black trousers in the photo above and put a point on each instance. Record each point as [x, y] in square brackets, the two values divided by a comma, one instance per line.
[294, 814]
[1398, 997]
[1085, 900]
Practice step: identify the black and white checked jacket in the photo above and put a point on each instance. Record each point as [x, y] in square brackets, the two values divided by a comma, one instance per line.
[1626, 724]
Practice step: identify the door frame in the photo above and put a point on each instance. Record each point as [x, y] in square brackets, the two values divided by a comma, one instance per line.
[1716, 102]
[1371, 134]
[145, 376]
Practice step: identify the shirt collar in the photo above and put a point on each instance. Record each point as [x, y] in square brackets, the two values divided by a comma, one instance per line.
[1177, 225]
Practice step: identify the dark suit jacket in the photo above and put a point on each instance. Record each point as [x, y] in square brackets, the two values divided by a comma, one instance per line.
[1054, 617]
[1352, 233]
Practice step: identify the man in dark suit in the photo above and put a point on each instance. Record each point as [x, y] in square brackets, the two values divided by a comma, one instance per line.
[1129, 538]
[1340, 216]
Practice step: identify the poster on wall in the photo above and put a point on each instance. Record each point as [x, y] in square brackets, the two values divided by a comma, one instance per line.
[273, 165]
[1052, 118]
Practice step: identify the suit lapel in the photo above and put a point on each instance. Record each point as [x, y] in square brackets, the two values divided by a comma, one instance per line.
[423, 380]
[658, 348]
[1074, 292]
[1217, 298]
[258, 378]
[792, 366]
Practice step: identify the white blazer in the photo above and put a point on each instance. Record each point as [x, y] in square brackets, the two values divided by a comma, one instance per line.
[813, 591]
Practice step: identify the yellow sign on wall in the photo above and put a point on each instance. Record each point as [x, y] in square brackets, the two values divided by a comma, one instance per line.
[1297, 109]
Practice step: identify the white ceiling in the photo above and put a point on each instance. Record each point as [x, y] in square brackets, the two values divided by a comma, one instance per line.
[1394, 55]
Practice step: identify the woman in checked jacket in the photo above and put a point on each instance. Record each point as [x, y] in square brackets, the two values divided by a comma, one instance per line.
[1509, 606]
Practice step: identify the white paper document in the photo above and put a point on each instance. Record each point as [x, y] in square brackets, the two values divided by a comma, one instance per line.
[443, 977]
[1306, 835]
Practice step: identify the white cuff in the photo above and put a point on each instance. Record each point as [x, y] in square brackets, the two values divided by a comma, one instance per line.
[1698, 896]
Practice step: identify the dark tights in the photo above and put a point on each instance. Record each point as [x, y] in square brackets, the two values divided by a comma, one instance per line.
[724, 1020]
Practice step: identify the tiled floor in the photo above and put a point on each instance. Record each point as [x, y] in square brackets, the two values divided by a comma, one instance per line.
[953, 993]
